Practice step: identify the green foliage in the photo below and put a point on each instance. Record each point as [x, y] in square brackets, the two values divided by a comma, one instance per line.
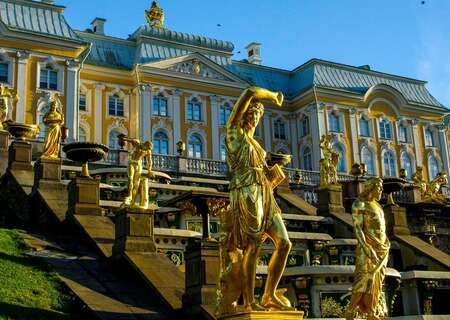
[28, 288]
[331, 308]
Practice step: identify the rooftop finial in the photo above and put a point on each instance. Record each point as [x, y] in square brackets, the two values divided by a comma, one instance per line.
[155, 16]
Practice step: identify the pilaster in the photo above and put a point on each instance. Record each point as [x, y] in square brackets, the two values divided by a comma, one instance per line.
[145, 109]
[443, 142]
[215, 127]
[98, 113]
[267, 132]
[318, 128]
[21, 81]
[417, 150]
[72, 96]
[293, 126]
[354, 135]
[176, 118]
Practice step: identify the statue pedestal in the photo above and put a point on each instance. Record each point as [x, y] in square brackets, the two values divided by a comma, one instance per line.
[330, 200]
[4, 143]
[264, 315]
[414, 194]
[396, 222]
[84, 196]
[134, 231]
[202, 263]
[47, 173]
[20, 156]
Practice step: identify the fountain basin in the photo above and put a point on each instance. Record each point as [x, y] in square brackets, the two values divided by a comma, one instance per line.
[21, 131]
[85, 152]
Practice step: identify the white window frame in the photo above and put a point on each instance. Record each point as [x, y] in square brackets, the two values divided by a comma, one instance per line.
[158, 97]
[58, 68]
[369, 126]
[380, 133]
[155, 140]
[276, 123]
[7, 59]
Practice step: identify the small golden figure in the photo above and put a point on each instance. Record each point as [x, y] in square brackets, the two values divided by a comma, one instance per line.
[433, 191]
[53, 121]
[418, 180]
[253, 214]
[372, 253]
[137, 184]
[155, 16]
[5, 95]
[328, 164]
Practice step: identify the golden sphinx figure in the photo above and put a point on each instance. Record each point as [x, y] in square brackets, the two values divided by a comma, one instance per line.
[53, 121]
[253, 214]
[419, 181]
[138, 184]
[372, 253]
[5, 95]
[328, 164]
[433, 191]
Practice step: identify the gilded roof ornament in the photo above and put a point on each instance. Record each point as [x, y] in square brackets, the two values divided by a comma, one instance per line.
[155, 16]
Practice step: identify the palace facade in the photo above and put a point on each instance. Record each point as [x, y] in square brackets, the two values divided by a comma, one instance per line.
[170, 86]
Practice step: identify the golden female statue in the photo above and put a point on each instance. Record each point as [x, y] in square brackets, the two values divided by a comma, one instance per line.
[329, 162]
[418, 180]
[138, 185]
[372, 253]
[433, 190]
[5, 95]
[253, 213]
[53, 121]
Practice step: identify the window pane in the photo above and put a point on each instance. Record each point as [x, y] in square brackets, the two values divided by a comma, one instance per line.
[82, 102]
[3, 72]
[112, 106]
[189, 111]
[53, 80]
[433, 167]
[163, 107]
[43, 79]
[155, 106]
[364, 128]
[197, 113]
[367, 158]
[119, 107]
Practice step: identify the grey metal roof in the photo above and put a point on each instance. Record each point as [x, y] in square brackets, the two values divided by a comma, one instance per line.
[35, 17]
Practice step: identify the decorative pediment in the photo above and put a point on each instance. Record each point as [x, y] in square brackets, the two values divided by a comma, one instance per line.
[195, 67]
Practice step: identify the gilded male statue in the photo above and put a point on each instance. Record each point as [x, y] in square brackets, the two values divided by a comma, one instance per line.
[53, 121]
[372, 253]
[329, 162]
[419, 181]
[137, 184]
[433, 190]
[253, 213]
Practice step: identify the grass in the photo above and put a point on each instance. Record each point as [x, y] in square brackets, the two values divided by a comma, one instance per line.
[28, 288]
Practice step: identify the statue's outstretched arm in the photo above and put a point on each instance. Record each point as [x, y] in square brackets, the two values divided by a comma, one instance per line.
[241, 106]
[134, 142]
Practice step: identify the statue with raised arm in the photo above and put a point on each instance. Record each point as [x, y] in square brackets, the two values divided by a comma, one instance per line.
[329, 162]
[372, 253]
[433, 192]
[5, 95]
[253, 214]
[53, 121]
[419, 181]
[137, 184]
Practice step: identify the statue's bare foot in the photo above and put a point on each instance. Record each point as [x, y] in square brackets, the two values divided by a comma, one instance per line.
[273, 302]
[254, 307]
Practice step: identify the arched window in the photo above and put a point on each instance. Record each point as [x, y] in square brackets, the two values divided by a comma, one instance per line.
[82, 137]
[195, 146]
[194, 110]
[364, 127]
[406, 163]
[223, 151]
[389, 164]
[385, 129]
[160, 105]
[42, 127]
[113, 140]
[160, 143]
[115, 106]
[433, 167]
[429, 138]
[307, 159]
[48, 78]
[225, 112]
[402, 133]
[335, 122]
[341, 167]
[279, 129]
[304, 126]
[367, 159]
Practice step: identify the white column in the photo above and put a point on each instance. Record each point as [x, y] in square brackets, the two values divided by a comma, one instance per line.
[98, 112]
[145, 109]
[176, 118]
[293, 128]
[443, 141]
[354, 135]
[318, 128]
[22, 60]
[215, 127]
[267, 135]
[415, 136]
[71, 93]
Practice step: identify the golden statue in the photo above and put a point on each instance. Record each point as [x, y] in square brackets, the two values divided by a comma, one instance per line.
[155, 16]
[372, 253]
[137, 184]
[328, 164]
[5, 95]
[433, 191]
[53, 121]
[253, 214]
[418, 180]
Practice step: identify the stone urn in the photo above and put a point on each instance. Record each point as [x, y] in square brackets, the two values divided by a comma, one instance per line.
[85, 152]
[278, 158]
[391, 185]
[21, 131]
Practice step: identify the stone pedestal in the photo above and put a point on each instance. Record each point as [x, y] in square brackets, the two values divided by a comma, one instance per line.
[264, 315]
[134, 231]
[202, 272]
[20, 156]
[396, 222]
[84, 196]
[414, 194]
[47, 173]
[4, 143]
[330, 200]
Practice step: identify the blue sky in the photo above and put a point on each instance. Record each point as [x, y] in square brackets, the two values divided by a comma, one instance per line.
[402, 37]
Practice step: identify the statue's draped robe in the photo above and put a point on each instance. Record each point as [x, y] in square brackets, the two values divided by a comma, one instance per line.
[369, 277]
[52, 140]
[252, 204]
